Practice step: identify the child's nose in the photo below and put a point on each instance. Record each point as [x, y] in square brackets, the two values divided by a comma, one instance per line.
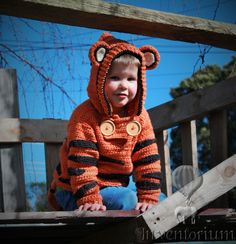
[123, 83]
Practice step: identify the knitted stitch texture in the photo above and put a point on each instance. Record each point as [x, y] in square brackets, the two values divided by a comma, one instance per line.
[90, 159]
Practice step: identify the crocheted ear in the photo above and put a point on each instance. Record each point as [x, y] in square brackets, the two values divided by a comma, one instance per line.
[98, 52]
[152, 56]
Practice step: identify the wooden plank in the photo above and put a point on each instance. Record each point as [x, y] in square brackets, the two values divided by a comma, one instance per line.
[52, 159]
[219, 147]
[218, 136]
[216, 182]
[32, 130]
[172, 211]
[189, 143]
[194, 105]
[123, 18]
[206, 228]
[13, 196]
[214, 212]
[67, 217]
[163, 147]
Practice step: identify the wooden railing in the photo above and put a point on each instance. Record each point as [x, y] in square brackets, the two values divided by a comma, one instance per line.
[103, 15]
[182, 111]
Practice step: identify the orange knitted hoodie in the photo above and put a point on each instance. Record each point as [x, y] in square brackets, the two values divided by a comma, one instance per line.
[103, 149]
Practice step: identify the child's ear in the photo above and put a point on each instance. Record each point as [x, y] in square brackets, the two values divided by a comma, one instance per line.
[152, 56]
[98, 52]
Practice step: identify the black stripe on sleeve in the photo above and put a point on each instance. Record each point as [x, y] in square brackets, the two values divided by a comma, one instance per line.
[83, 159]
[75, 172]
[121, 177]
[83, 144]
[147, 160]
[58, 169]
[154, 175]
[146, 185]
[142, 144]
[111, 160]
[84, 189]
[64, 180]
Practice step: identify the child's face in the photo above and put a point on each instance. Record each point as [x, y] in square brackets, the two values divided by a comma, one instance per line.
[121, 85]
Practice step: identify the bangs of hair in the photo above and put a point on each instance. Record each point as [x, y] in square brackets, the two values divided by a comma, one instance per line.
[127, 59]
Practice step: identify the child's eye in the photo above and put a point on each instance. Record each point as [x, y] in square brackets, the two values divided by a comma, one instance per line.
[131, 79]
[114, 78]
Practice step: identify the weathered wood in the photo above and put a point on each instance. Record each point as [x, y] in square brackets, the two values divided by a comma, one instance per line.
[11, 162]
[189, 143]
[67, 217]
[194, 105]
[218, 136]
[123, 18]
[52, 159]
[168, 213]
[202, 230]
[163, 147]
[32, 130]
[219, 147]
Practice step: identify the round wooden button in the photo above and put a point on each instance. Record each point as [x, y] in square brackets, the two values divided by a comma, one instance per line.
[107, 127]
[133, 128]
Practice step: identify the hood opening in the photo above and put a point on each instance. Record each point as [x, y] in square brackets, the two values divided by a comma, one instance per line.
[139, 96]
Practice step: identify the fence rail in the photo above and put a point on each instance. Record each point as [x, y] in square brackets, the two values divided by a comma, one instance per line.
[124, 18]
[194, 105]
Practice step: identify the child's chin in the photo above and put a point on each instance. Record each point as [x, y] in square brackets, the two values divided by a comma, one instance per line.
[120, 105]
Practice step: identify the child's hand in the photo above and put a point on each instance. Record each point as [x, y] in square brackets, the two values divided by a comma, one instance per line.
[91, 207]
[143, 206]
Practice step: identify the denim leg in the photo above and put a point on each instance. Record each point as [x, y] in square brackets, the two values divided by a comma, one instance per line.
[119, 198]
[66, 200]
[115, 198]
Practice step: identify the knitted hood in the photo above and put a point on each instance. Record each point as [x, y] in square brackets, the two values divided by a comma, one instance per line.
[101, 55]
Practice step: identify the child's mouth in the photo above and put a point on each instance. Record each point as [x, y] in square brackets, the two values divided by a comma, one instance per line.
[121, 96]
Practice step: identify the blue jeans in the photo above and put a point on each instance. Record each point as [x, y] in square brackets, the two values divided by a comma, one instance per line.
[114, 198]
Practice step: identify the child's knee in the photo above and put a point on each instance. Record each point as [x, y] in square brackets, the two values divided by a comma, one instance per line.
[128, 200]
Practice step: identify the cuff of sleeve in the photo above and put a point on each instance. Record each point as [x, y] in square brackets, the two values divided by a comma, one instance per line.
[89, 199]
[149, 198]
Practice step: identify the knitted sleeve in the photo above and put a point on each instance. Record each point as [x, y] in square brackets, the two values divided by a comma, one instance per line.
[82, 161]
[146, 161]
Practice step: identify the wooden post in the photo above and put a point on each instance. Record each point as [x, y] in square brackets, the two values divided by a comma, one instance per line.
[163, 147]
[52, 159]
[189, 143]
[219, 147]
[218, 137]
[12, 173]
